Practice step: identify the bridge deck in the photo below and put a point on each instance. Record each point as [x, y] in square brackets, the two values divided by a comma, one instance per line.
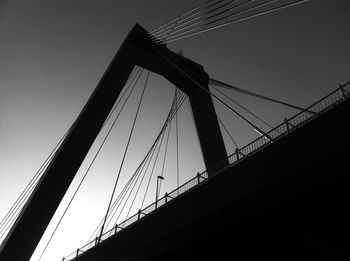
[286, 201]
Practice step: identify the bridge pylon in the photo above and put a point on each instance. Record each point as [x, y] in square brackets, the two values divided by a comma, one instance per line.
[137, 49]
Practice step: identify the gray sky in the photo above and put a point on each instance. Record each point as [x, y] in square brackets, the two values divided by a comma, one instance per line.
[53, 53]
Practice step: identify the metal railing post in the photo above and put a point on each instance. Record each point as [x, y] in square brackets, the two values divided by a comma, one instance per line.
[139, 214]
[158, 178]
[287, 125]
[166, 197]
[343, 93]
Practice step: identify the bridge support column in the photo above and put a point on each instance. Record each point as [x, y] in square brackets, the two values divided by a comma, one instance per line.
[209, 134]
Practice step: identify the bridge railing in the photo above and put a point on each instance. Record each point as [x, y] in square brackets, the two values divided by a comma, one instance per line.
[289, 125]
[316, 109]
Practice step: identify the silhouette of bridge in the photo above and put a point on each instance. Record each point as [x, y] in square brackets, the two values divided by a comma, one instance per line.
[282, 196]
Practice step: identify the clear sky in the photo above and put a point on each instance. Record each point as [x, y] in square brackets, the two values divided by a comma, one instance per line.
[53, 53]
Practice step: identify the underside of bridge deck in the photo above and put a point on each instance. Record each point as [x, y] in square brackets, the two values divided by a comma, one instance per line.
[286, 202]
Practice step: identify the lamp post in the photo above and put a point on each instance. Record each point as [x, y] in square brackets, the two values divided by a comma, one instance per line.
[158, 178]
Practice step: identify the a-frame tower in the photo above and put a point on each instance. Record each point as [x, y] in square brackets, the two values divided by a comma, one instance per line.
[137, 49]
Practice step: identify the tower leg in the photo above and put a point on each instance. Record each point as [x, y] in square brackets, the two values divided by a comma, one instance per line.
[210, 138]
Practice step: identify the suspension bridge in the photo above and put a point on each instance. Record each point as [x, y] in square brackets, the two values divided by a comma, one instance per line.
[259, 196]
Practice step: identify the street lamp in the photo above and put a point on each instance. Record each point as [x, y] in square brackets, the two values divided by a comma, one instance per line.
[158, 178]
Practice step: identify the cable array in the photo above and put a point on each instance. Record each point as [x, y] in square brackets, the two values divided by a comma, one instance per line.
[135, 75]
[227, 132]
[216, 14]
[125, 152]
[136, 180]
[200, 86]
[253, 94]
[242, 107]
[11, 216]
[210, 15]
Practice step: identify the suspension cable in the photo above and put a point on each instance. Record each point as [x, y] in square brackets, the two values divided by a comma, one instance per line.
[240, 90]
[10, 216]
[132, 76]
[87, 171]
[206, 21]
[143, 170]
[133, 182]
[14, 211]
[137, 173]
[228, 16]
[137, 75]
[243, 108]
[155, 149]
[200, 14]
[165, 154]
[116, 204]
[182, 100]
[121, 195]
[127, 186]
[125, 152]
[175, 110]
[203, 30]
[159, 29]
[177, 142]
[152, 171]
[170, 115]
[161, 138]
[95, 233]
[151, 150]
[226, 130]
[255, 128]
